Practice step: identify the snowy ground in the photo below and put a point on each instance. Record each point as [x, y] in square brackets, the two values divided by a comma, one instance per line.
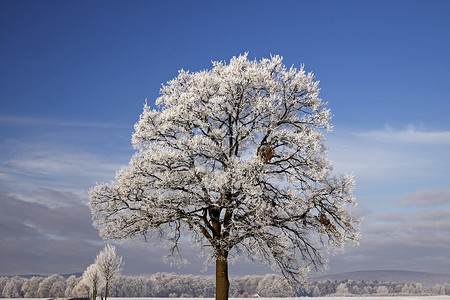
[304, 298]
[297, 298]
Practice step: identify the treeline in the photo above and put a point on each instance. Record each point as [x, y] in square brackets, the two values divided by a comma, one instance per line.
[172, 285]
[373, 288]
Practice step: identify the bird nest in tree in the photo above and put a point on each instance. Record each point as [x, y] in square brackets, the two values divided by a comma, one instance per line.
[266, 153]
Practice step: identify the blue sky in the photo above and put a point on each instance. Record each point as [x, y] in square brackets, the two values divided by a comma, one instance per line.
[74, 76]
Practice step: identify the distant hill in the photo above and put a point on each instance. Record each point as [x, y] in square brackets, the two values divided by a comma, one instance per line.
[390, 276]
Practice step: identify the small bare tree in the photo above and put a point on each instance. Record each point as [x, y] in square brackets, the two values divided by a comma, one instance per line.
[109, 265]
[235, 158]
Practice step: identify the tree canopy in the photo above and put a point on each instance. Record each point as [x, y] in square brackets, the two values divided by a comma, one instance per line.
[234, 157]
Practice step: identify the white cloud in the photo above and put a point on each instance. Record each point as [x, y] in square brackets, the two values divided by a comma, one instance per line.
[52, 198]
[431, 197]
[388, 158]
[31, 172]
[414, 229]
[410, 135]
[40, 239]
[57, 163]
[385, 218]
[60, 159]
[402, 181]
[417, 241]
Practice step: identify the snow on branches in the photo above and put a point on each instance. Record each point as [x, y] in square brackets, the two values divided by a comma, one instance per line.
[234, 157]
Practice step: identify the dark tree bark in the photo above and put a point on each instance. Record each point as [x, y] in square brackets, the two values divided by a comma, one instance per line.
[222, 282]
[106, 290]
[94, 293]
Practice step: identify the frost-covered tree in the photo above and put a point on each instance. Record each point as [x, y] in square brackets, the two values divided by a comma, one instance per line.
[133, 287]
[382, 290]
[234, 157]
[3, 281]
[81, 289]
[13, 288]
[46, 289]
[270, 286]
[31, 286]
[91, 277]
[342, 289]
[71, 282]
[109, 265]
[58, 289]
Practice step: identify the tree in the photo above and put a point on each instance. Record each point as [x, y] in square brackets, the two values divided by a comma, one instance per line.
[46, 289]
[91, 278]
[3, 281]
[342, 289]
[31, 286]
[71, 282]
[109, 265]
[234, 157]
[382, 290]
[58, 288]
[13, 288]
[81, 289]
[133, 287]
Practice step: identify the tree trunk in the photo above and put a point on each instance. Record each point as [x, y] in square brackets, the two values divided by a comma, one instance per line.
[222, 282]
[106, 289]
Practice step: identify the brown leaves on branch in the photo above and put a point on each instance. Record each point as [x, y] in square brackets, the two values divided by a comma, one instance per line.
[326, 222]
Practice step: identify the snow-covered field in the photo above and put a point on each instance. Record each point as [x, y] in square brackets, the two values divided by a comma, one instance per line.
[292, 298]
[303, 298]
